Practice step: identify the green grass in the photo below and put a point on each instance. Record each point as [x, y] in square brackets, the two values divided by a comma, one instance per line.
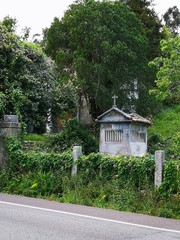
[166, 123]
[127, 198]
[109, 195]
[164, 134]
[34, 137]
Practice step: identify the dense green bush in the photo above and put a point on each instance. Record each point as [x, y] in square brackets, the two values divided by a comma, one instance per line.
[173, 147]
[171, 180]
[155, 142]
[72, 134]
[40, 162]
[135, 171]
[122, 183]
[34, 184]
[34, 174]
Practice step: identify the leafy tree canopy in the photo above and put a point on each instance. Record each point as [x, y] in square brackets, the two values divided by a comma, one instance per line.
[151, 23]
[172, 19]
[102, 47]
[168, 75]
[27, 79]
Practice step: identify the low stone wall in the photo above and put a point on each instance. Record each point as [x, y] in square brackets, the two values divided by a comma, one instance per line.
[30, 145]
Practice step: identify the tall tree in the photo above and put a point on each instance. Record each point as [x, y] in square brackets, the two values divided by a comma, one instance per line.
[10, 53]
[172, 19]
[102, 47]
[27, 80]
[151, 23]
[168, 75]
[152, 27]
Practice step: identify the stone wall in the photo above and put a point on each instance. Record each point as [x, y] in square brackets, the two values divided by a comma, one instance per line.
[30, 145]
[9, 127]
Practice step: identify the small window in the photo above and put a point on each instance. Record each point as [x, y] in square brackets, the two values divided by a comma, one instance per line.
[138, 136]
[113, 135]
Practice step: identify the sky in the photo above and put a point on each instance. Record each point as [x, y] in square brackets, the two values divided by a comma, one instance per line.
[39, 14]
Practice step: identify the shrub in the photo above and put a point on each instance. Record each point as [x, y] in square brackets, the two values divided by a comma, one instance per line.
[34, 174]
[72, 134]
[171, 180]
[40, 162]
[123, 183]
[173, 147]
[137, 171]
[155, 142]
[34, 185]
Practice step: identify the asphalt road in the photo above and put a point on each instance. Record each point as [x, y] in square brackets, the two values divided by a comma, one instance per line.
[24, 218]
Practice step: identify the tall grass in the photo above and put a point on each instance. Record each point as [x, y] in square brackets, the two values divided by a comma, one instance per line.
[34, 137]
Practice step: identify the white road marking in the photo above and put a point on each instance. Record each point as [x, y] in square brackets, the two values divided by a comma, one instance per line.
[90, 217]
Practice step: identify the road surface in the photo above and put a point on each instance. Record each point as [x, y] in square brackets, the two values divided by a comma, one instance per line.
[23, 218]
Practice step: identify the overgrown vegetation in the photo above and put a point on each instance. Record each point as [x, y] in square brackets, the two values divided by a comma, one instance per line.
[27, 80]
[72, 134]
[119, 183]
[165, 133]
[167, 78]
[110, 194]
[95, 60]
[106, 57]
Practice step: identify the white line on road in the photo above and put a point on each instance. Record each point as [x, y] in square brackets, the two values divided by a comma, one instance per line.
[90, 217]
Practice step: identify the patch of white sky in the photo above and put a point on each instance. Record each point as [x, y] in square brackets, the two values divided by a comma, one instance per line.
[39, 14]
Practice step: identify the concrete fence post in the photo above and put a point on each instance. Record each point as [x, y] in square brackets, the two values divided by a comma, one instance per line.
[159, 164]
[77, 152]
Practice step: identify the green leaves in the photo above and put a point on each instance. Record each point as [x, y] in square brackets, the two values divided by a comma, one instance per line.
[2, 102]
[136, 172]
[171, 181]
[27, 79]
[103, 48]
[73, 134]
[168, 75]
[123, 183]
[172, 19]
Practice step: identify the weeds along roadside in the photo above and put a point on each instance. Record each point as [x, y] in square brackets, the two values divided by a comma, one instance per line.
[102, 181]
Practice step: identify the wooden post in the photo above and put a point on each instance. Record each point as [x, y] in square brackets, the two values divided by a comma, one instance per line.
[159, 163]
